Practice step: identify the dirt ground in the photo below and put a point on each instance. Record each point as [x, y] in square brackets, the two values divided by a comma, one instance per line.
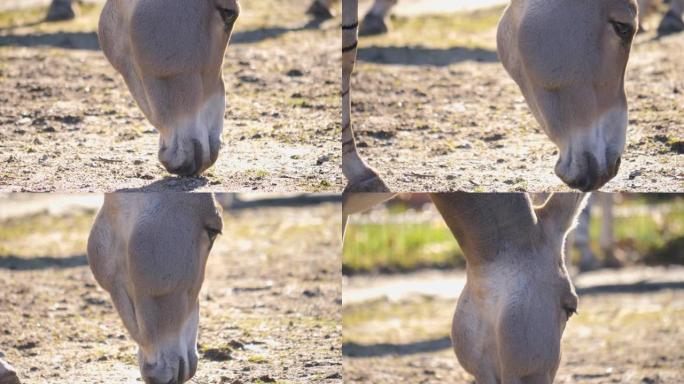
[434, 110]
[631, 336]
[270, 304]
[68, 123]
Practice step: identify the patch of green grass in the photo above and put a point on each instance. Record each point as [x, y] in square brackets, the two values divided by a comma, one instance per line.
[257, 173]
[127, 358]
[419, 318]
[257, 359]
[440, 31]
[656, 235]
[40, 223]
[42, 234]
[650, 232]
[397, 247]
[86, 19]
[16, 17]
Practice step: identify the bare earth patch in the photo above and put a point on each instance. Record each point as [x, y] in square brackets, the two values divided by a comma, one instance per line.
[434, 110]
[68, 123]
[270, 304]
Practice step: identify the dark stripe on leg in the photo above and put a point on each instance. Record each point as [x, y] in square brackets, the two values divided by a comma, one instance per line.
[350, 48]
[350, 26]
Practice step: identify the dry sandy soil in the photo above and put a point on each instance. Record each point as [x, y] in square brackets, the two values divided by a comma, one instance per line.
[68, 123]
[434, 110]
[624, 333]
[270, 304]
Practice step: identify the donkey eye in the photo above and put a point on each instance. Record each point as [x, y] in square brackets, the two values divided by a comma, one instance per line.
[569, 311]
[623, 30]
[212, 233]
[228, 16]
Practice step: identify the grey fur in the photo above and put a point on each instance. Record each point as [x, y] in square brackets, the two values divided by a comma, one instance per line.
[149, 251]
[170, 53]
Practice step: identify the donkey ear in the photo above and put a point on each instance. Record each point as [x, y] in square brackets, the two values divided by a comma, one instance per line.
[359, 202]
[560, 211]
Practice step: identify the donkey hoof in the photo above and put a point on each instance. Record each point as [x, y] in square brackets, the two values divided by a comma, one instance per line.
[671, 23]
[60, 10]
[7, 374]
[372, 183]
[373, 25]
[319, 11]
[589, 265]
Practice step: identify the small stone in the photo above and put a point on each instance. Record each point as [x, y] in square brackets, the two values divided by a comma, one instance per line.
[322, 159]
[295, 73]
[267, 379]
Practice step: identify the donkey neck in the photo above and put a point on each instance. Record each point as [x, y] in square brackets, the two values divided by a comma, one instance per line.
[484, 224]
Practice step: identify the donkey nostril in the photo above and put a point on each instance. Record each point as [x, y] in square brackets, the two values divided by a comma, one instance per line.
[616, 166]
[192, 362]
[198, 156]
[591, 175]
[181, 371]
[187, 169]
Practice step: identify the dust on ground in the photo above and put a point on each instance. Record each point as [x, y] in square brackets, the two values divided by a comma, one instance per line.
[434, 110]
[627, 331]
[68, 122]
[269, 307]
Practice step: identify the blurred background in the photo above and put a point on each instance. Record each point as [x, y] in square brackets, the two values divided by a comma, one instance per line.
[269, 306]
[403, 272]
[408, 234]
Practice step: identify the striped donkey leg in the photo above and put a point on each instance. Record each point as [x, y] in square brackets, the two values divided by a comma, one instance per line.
[360, 177]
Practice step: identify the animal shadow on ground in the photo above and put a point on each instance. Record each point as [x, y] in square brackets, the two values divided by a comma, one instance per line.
[414, 55]
[89, 41]
[383, 349]
[640, 287]
[297, 202]
[261, 34]
[171, 184]
[66, 40]
[16, 263]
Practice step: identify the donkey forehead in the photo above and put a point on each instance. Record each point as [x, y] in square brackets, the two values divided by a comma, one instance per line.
[563, 40]
[178, 212]
[167, 246]
[526, 279]
[172, 36]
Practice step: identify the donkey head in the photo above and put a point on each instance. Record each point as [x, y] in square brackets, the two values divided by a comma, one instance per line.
[170, 54]
[569, 59]
[149, 251]
[536, 297]
[513, 310]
